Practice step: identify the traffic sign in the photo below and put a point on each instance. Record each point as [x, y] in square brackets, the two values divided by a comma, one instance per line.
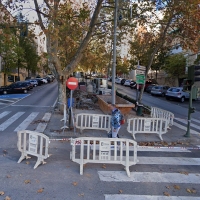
[140, 72]
[140, 79]
[143, 68]
[72, 83]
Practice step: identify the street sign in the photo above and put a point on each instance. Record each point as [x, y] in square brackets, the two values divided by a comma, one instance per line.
[140, 72]
[140, 79]
[72, 83]
[143, 68]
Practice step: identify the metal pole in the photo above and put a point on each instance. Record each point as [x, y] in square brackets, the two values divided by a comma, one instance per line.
[114, 52]
[189, 114]
[137, 89]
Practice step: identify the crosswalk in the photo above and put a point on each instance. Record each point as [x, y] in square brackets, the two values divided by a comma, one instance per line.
[187, 183]
[8, 118]
[182, 124]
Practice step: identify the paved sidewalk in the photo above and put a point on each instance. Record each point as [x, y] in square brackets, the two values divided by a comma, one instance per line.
[174, 137]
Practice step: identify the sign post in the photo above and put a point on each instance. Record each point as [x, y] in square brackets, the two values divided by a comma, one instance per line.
[72, 84]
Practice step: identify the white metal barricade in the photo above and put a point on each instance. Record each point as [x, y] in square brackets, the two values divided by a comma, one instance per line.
[160, 113]
[33, 143]
[93, 121]
[147, 125]
[104, 150]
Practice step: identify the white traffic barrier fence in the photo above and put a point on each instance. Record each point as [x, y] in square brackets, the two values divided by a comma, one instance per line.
[160, 113]
[33, 143]
[104, 150]
[147, 125]
[93, 121]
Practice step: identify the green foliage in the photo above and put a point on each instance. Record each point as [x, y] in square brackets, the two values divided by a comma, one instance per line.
[175, 65]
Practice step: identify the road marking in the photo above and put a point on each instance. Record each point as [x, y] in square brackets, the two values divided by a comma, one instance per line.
[10, 121]
[3, 114]
[168, 161]
[149, 177]
[36, 106]
[147, 197]
[162, 149]
[185, 128]
[186, 121]
[42, 126]
[27, 121]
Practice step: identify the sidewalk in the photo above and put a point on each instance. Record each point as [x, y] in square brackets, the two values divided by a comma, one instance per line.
[174, 137]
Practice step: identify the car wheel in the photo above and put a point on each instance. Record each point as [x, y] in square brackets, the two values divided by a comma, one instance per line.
[4, 92]
[163, 94]
[167, 98]
[182, 99]
[152, 94]
[25, 91]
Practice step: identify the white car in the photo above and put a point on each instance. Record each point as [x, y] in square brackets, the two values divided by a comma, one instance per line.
[44, 80]
[177, 93]
[118, 80]
[127, 83]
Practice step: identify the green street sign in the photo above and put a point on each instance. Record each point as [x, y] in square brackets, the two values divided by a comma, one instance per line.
[140, 79]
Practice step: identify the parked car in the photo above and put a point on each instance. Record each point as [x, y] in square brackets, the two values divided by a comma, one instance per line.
[118, 80]
[147, 83]
[39, 80]
[34, 83]
[159, 90]
[123, 81]
[148, 90]
[26, 83]
[133, 84]
[177, 93]
[18, 87]
[127, 83]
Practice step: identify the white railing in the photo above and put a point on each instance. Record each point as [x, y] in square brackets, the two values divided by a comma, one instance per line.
[147, 125]
[93, 121]
[33, 143]
[160, 113]
[104, 150]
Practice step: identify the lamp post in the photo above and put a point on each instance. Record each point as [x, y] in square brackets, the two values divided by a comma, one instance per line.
[114, 53]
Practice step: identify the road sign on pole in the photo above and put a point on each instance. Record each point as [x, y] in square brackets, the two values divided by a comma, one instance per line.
[140, 79]
[72, 83]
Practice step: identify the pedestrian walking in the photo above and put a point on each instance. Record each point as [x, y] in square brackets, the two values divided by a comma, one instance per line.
[115, 120]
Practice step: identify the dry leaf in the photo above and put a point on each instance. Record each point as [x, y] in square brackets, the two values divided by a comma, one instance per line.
[194, 191]
[2, 193]
[188, 190]
[186, 173]
[7, 198]
[75, 183]
[177, 187]
[82, 194]
[166, 194]
[168, 187]
[120, 191]
[8, 176]
[104, 166]
[27, 162]
[40, 190]
[27, 181]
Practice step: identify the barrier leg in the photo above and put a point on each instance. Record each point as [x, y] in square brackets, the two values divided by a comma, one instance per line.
[128, 171]
[134, 136]
[81, 169]
[160, 136]
[23, 156]
[39, 161]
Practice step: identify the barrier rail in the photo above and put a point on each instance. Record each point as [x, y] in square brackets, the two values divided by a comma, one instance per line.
[147, 125]
[33, 143]
[160, 113]
[93, 121]
[104, 150]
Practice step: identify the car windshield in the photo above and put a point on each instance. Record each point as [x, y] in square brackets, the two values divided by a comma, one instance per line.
[175, 90]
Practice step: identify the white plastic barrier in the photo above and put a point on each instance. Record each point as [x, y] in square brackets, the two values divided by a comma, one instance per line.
[93, 121]
[33, 143]
[104, 150]
[147, 125]
[160, 113]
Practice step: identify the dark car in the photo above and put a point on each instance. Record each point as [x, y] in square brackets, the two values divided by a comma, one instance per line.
[123, 81]
[133, 84]
[150, 87]
[18, 87]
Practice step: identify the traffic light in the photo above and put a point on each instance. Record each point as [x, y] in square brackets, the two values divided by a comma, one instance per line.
[191, 109]
[194, 73]
[187, 85]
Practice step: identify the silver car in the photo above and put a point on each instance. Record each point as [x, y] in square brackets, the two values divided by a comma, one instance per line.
[159, 90]
[177, 93]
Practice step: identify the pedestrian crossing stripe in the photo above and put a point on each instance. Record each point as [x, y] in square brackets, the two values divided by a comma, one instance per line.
[27, 121]
[147, 197]
[42, 126]
[184, 121]
[3, 114]
[185, 128]
[10, 120]
[149, 177]
[168, 161]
